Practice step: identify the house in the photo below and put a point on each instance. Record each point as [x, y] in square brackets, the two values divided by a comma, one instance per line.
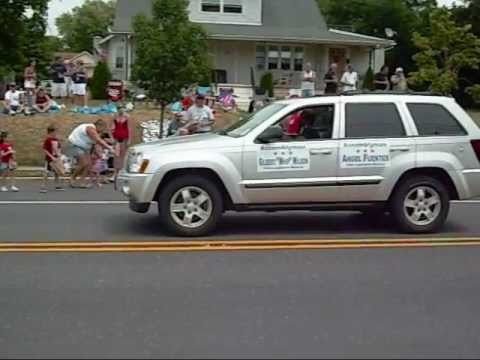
[277, 36]
[72, 58]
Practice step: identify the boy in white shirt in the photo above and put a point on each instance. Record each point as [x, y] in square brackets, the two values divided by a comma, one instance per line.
[13, 101]
[349, 79]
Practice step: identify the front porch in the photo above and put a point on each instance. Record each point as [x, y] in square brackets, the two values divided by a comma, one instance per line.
[233, 61]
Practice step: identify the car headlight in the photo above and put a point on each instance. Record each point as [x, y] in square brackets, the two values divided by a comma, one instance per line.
[137, 163]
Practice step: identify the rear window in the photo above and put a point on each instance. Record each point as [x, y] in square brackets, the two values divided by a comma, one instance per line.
[435, 120]
[379, 120]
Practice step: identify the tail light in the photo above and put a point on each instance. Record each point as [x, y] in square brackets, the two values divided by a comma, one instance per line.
[476, 148]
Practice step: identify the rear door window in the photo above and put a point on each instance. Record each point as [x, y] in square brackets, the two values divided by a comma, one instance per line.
[435, 120]
[373, 120]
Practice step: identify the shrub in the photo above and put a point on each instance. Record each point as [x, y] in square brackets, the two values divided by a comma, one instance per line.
[369, 81]
[266, 83]
[99, 82]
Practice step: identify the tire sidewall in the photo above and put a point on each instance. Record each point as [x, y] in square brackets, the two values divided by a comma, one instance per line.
[174, 186]
[402, 192]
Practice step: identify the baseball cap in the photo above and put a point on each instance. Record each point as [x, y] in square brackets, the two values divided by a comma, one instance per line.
[399, 69]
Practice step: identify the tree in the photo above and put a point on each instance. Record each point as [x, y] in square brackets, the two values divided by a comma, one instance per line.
[170, 52]
[468, 13]
[83, 23]
[372, 17]
[446, 50]
[22, 25]
[101, 77]
[369, 81]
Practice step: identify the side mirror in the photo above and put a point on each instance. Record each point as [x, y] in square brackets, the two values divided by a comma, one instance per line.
[272, 134]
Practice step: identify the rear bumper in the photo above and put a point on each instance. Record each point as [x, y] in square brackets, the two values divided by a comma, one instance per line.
[472, 182]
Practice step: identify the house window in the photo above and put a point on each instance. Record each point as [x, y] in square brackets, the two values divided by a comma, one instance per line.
[278, 57]
[261, 56]
[222, 6]
[211, 5]
[120, 57]
[286, 58]
[232, 6]
[299, 59]
[273, 56]
[119, 62]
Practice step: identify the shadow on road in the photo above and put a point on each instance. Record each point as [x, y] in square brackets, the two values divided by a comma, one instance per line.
[260, 226]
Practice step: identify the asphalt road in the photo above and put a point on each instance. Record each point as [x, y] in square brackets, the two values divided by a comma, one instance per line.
[354, 303]
[362, 303]
[69, 216]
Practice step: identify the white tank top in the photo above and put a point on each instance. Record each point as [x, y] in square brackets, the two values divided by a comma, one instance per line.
[80, 138]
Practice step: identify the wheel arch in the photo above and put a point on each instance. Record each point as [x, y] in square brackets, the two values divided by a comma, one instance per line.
[203, 172]
[435, 172]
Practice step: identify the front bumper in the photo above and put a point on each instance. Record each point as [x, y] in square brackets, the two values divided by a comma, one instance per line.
[138, 188]
[141, 208]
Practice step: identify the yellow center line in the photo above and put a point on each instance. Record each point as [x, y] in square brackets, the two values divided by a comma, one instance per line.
[232, 245]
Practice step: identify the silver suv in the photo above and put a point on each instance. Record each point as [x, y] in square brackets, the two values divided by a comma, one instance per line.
[408, 155]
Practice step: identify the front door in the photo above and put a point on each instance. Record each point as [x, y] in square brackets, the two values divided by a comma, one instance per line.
[338, 56]
[302, 167]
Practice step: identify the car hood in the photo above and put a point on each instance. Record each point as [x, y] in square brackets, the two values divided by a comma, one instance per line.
[185, 143]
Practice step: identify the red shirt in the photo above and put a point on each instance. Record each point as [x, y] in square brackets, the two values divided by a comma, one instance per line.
[187, 103]
[40, 100]
[295, 124]
[48, 145]
[5, 147]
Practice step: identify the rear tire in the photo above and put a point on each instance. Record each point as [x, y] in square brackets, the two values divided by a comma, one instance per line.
[420, 205]
[190, 206]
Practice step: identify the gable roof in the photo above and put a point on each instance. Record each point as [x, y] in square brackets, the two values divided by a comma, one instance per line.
[283, 20]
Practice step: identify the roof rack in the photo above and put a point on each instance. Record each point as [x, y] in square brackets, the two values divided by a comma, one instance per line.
[391, 92]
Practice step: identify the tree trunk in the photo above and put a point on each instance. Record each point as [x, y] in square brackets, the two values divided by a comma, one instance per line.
[162, 118]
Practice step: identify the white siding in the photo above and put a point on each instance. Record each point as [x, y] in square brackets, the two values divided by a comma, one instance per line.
[120, 46]
[360, 59]
[379, 59]
[251, 15]
[116, 47]
[235, 57]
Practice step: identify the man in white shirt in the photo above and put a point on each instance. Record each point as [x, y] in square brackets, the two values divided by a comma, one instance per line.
[308, 81]
[13, 101]
[349, 79]
[200, 117]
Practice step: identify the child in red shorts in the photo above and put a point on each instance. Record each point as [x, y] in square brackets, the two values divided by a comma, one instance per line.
[7, 163]
[53, 164]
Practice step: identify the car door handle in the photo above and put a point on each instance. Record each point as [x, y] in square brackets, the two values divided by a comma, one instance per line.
[321, 152]
[400, 149]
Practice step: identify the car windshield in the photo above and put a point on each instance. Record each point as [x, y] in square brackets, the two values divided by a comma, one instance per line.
[247, 124]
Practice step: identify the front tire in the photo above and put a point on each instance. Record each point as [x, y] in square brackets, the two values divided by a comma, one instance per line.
[420, 205]
[190, 206]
